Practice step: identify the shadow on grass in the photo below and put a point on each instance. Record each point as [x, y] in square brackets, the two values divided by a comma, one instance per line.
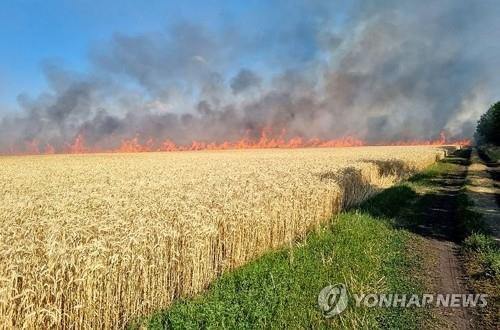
[433, 212]
[390, 202]
[426, 204]
[483, 154]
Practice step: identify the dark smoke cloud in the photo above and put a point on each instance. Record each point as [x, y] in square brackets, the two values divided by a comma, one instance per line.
[390, 70]
[158, 61]
[244, 80]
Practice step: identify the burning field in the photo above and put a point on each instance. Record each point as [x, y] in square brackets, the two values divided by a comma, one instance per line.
[148, 149]
[93, 241]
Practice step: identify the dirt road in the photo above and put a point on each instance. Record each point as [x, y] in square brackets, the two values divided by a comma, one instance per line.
[437, 223]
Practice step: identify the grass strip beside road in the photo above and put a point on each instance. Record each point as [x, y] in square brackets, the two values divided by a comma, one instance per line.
[481, 262]
[490, 153]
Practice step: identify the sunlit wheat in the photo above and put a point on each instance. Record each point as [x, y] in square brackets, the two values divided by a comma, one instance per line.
[93, 241]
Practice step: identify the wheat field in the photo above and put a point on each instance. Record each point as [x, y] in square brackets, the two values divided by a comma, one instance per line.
[94, 241]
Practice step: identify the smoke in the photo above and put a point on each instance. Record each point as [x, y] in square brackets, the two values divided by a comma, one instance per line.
[244, 80]
[381, 71]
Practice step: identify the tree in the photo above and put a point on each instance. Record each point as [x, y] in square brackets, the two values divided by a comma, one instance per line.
[488, 127]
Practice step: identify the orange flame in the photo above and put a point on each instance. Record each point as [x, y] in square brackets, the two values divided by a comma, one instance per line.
[32, 147]
[266, 140]
[437, 142]
[78, 146]
[49, 149]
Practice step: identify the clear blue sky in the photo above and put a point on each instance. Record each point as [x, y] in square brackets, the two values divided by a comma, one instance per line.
[64, 31]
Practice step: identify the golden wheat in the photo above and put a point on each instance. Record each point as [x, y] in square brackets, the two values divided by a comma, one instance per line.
[92, 241]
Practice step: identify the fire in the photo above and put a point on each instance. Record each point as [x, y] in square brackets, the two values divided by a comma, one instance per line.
[265, 141]
[49, 149]
[437, 142]
[32, 147]
[78, 146]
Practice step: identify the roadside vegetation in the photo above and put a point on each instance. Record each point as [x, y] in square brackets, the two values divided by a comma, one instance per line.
[374, 247]
[481, 253]
[487, 134]
[489, 153]
[482, 266]
[481, 250]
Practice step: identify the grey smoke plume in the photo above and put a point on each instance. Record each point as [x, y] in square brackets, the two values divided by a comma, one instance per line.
[244, 80]
[390, 70]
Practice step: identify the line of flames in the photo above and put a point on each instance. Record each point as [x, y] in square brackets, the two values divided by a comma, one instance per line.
[133, 145]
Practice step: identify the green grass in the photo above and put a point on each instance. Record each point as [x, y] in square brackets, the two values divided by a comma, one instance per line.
[487, 253]
[494, 153]
[490, 153]
[479, 246]
[481, 262]
[366, 248]
[482, 265]
[389, 203]
[426, 179]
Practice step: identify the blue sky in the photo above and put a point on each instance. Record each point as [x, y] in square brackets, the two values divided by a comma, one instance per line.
[64, 32]
[34, 31]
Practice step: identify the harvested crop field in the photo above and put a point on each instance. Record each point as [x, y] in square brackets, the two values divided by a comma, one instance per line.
[93, 241]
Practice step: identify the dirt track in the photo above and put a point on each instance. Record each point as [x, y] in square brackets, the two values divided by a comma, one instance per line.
[438, 226]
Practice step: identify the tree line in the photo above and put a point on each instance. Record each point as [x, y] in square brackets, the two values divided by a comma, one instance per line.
[488, 127]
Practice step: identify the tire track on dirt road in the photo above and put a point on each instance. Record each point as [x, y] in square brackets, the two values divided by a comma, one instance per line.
[438, 224]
